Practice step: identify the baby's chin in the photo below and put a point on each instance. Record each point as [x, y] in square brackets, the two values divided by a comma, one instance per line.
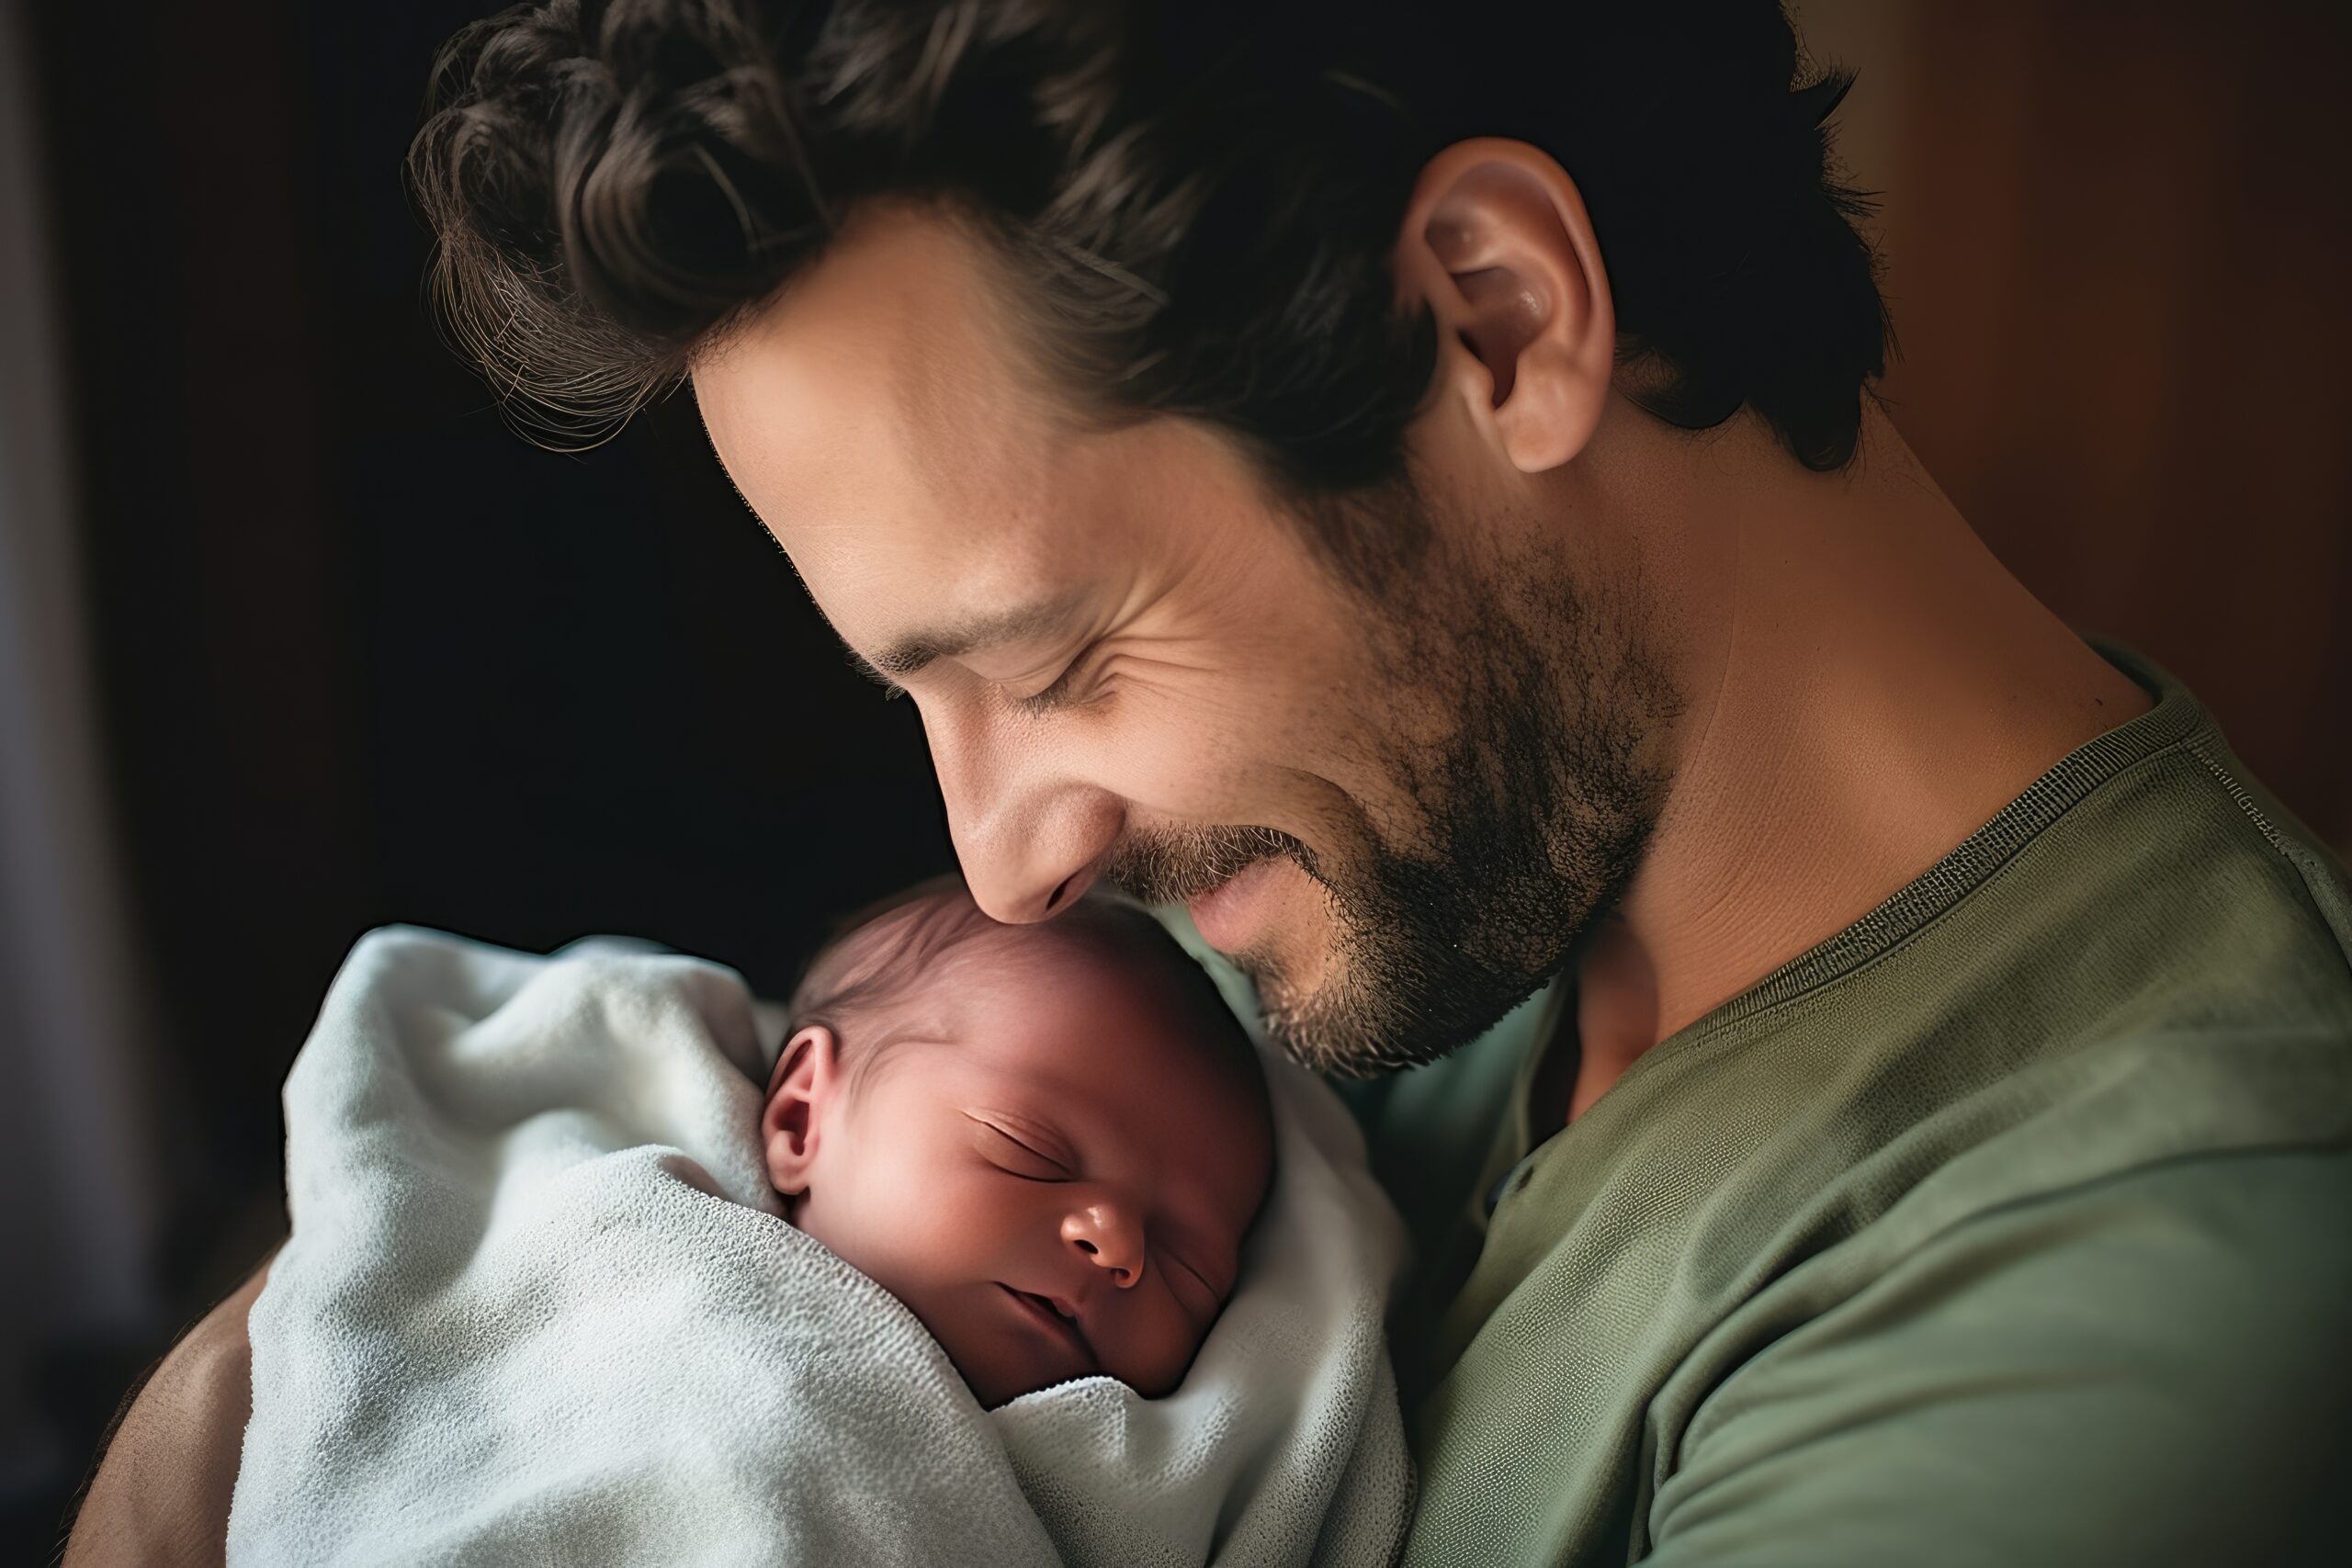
[998, 1368]
[993, 1396]
[997, 1379]
[995, 1388]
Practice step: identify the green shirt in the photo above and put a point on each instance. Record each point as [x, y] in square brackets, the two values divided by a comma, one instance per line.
[2012, 1224]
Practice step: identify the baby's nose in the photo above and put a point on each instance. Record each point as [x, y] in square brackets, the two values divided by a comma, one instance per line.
[1110, 1238]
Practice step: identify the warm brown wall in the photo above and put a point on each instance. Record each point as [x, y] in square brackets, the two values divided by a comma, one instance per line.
[2119, 240]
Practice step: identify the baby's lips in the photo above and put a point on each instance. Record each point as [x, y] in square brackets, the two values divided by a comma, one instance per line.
[1055, 1317]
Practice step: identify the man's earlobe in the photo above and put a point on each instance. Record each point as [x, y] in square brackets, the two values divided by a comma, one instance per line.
[1496, 244]
[806, 1075]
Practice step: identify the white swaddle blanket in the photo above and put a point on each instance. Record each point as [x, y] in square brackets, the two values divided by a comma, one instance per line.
[539, 1305]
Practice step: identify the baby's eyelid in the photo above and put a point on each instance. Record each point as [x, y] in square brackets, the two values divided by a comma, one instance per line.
[1062, 1166]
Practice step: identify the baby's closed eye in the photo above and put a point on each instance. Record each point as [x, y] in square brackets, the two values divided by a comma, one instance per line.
[1018, 1156]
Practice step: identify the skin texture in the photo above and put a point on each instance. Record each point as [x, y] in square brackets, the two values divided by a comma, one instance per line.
[1811, 685]
[161, 1494]
[1856, 683]
[1046, 1123]
[1124, 656]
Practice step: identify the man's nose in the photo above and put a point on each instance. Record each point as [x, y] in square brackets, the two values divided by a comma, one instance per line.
[1030, 837]
[1110, 1238]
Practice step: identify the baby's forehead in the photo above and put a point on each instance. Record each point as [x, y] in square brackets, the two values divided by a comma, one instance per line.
[1061, 998]
[1084, 1005]
[1089, 1019]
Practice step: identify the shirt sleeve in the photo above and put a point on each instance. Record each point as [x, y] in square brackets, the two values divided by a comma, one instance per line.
[2153, 1368]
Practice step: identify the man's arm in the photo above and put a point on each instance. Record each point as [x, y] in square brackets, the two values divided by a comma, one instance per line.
[2151, 1369]
[161, 1494]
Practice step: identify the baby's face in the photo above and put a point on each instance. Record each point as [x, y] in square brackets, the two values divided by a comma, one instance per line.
[1042, 1166]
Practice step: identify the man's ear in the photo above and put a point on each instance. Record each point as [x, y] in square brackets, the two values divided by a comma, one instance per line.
[1495, 242]
[808, 1073]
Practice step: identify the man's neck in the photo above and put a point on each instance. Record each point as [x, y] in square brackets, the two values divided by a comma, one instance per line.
[1866, 686]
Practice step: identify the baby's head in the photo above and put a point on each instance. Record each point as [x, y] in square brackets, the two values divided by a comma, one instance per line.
[1046, 1140]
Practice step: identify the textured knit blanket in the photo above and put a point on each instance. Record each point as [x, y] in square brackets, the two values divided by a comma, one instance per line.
[539, 1305]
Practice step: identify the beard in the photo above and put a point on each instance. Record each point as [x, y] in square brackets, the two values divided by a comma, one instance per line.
[1515, 814]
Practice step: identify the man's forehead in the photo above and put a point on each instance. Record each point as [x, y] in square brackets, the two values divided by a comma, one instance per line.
[878, 406]
[882, 420]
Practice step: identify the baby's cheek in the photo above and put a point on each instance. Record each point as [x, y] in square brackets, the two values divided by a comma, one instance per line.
[1155, 1347]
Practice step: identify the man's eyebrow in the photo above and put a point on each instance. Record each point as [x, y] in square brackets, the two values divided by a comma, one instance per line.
[918, 650]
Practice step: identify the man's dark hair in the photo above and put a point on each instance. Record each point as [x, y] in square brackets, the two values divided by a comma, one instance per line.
[1196, 203]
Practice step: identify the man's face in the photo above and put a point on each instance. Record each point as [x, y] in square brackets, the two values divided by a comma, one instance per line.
[1396, 804]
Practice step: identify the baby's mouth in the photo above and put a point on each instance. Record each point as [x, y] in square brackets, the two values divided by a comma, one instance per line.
[1048, 1313]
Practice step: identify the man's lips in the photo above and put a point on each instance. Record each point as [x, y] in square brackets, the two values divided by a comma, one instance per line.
[1050, 1315]
[1228, 915]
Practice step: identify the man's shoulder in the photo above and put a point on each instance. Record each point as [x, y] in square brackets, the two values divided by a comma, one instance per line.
[2048, 1339]
[2146, 1367]
[2164, 1179]
[2027, 1192]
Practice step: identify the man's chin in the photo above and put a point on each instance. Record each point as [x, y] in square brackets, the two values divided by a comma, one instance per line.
[1331, 1023]
[1356, 978]
[1364, 1013]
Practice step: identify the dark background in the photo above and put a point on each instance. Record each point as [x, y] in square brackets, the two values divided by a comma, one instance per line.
[358, 654]
[361, 655]
[364, 654]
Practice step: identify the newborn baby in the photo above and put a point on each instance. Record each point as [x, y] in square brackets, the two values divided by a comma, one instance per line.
[1048, 1141]
[597, 1260]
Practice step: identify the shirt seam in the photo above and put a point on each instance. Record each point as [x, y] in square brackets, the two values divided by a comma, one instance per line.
[1968, 866]
[2246, 802]
[2310, 875]
[1965, 870]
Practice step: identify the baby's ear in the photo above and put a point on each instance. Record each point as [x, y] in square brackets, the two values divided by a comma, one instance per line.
[806, 1071]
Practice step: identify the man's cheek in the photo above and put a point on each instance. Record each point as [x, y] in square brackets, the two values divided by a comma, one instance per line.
[1234, 754]
[1174, 772]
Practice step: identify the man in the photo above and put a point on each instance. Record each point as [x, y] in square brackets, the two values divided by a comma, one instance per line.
[1407, 486]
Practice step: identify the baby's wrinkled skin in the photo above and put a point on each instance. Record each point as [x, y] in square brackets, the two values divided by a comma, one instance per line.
[1044, 1163]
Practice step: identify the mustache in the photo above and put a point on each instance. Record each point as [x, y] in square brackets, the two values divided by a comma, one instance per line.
[1167, 866]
